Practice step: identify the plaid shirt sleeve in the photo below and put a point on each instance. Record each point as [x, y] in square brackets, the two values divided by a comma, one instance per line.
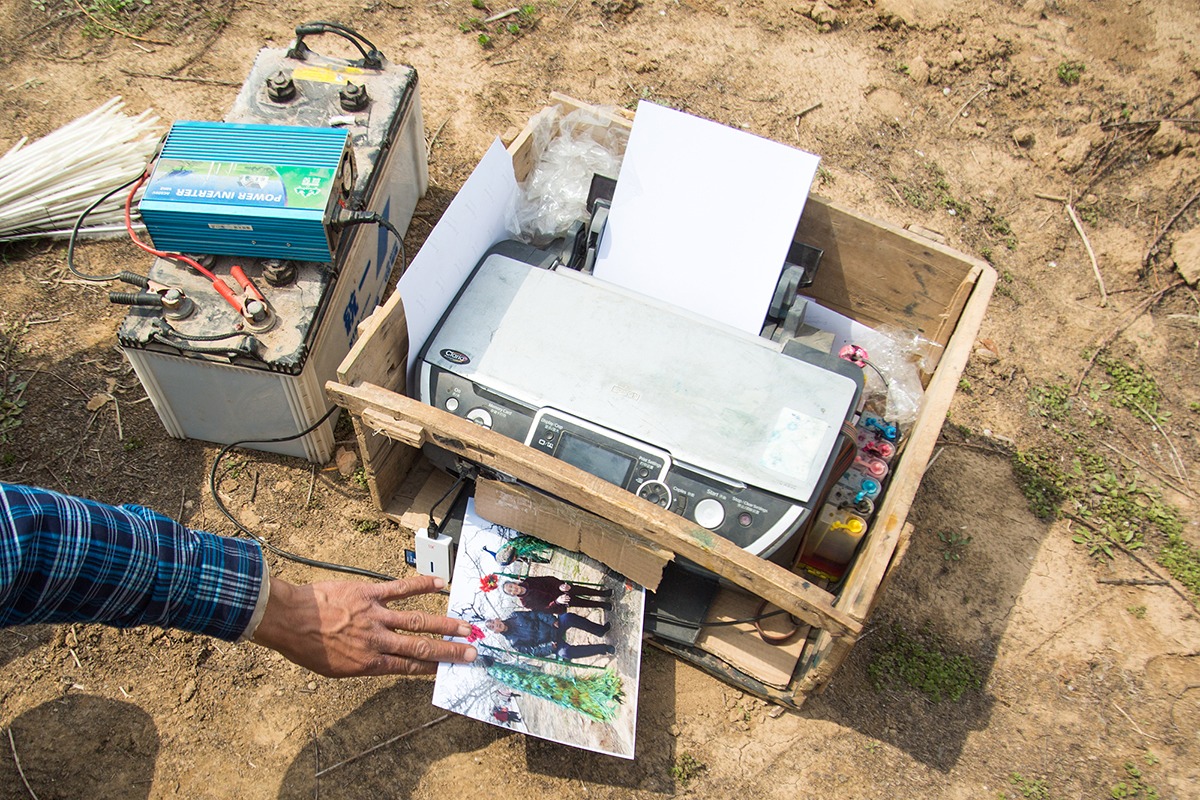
[66, 559]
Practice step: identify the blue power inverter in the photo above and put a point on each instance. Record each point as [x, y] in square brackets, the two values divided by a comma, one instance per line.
[267, 191]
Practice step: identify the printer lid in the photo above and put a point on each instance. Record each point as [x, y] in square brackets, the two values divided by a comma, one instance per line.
[716, 398]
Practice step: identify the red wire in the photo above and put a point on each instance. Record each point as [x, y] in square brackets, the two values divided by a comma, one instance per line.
[217, 283]
[173, 256]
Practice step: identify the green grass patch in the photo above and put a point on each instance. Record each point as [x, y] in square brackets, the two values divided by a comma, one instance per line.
[1183, 562]
[922, 662]
[1069, 72]
[687, 767]
[1052, 402]
[1034, 789]
[1041, 481]
[1130, 386]
[366, 526]
[1134, 785]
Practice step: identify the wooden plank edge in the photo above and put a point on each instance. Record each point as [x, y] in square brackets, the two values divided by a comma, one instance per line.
[857, 594]
[492, 450]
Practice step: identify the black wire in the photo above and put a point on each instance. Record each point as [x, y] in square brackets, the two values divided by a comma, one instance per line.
[346, 29]
[349, 35]
[364, 217]
[433, 525]
[212, 486]
[79, 223]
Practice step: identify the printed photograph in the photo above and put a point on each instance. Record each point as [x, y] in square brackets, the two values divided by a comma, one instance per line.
[559, 638]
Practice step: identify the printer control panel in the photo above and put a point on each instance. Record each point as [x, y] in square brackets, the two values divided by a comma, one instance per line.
[742, 514]
[737, 512]
[467, 399]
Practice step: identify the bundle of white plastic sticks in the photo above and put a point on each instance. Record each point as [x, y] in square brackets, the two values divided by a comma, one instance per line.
[46, 185]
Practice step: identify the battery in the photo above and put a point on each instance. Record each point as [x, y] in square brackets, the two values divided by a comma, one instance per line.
[212, 376]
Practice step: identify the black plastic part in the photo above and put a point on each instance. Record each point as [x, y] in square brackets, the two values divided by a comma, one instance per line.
[602, 188]
[807, 258]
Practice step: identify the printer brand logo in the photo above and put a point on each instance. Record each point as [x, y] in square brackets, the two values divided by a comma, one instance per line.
[626, 392]
[455, 357]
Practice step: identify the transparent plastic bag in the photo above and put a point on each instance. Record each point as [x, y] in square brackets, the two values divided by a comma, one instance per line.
[893, 374]
[569, 149]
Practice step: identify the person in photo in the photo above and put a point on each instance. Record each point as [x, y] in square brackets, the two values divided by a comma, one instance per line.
[550, 593]
[543, 633]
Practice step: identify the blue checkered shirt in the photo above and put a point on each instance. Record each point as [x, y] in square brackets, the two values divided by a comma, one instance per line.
[65, 559]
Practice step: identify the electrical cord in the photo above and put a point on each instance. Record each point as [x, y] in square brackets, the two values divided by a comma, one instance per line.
[312, 562]
[79, 223]
[719, 623]
[434, 527]
[337, 26]
[364, 217]
[171, 331]
[371, 59]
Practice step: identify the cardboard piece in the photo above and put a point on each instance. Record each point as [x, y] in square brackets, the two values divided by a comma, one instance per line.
[571, 528]
[434, 484]
[742, 647]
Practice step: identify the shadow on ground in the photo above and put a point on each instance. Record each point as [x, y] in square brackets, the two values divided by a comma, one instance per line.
[962, 594]
[62, 753]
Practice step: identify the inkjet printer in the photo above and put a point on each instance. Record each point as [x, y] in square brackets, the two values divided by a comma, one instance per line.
[736, 432]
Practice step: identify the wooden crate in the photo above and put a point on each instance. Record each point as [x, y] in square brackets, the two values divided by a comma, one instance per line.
[871, 271]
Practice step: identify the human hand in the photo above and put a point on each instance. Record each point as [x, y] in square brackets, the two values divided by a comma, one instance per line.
[345, 628]
[564, 587]
[564, 599]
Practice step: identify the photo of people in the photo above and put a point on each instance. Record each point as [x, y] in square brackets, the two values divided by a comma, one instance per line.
[559, 638]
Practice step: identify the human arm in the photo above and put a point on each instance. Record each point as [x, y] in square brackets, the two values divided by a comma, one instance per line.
[66, 559]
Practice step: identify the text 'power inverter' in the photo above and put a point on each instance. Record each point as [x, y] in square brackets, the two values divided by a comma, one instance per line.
[267, 191]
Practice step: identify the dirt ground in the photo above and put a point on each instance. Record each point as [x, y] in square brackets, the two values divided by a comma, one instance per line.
[919, 108]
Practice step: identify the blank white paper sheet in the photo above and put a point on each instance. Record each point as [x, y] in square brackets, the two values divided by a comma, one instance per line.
[703, 215]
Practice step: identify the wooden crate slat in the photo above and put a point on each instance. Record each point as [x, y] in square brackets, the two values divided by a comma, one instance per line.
[493, 450]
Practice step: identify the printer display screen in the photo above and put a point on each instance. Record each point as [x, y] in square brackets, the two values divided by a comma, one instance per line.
[591, 457]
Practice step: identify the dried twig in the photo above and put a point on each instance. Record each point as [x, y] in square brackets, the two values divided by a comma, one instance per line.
[1164, 478]
[1176, 461]
[312, 482]
[16, 760]
[806, 111]
[116, 30]
[1158, 239]
[1137, 312]
[1159, 120]
[392, 740]
[117, 409]
[438, 132]
[502, 15]
[1091, 253]
[1054, 197]
[316, 766]
[179, 78]
[1134, 724]
[1133, 581]
[963, 107]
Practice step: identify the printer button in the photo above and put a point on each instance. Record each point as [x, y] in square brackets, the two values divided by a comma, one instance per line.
[480, 417]
[452, 404]
[709, 513]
